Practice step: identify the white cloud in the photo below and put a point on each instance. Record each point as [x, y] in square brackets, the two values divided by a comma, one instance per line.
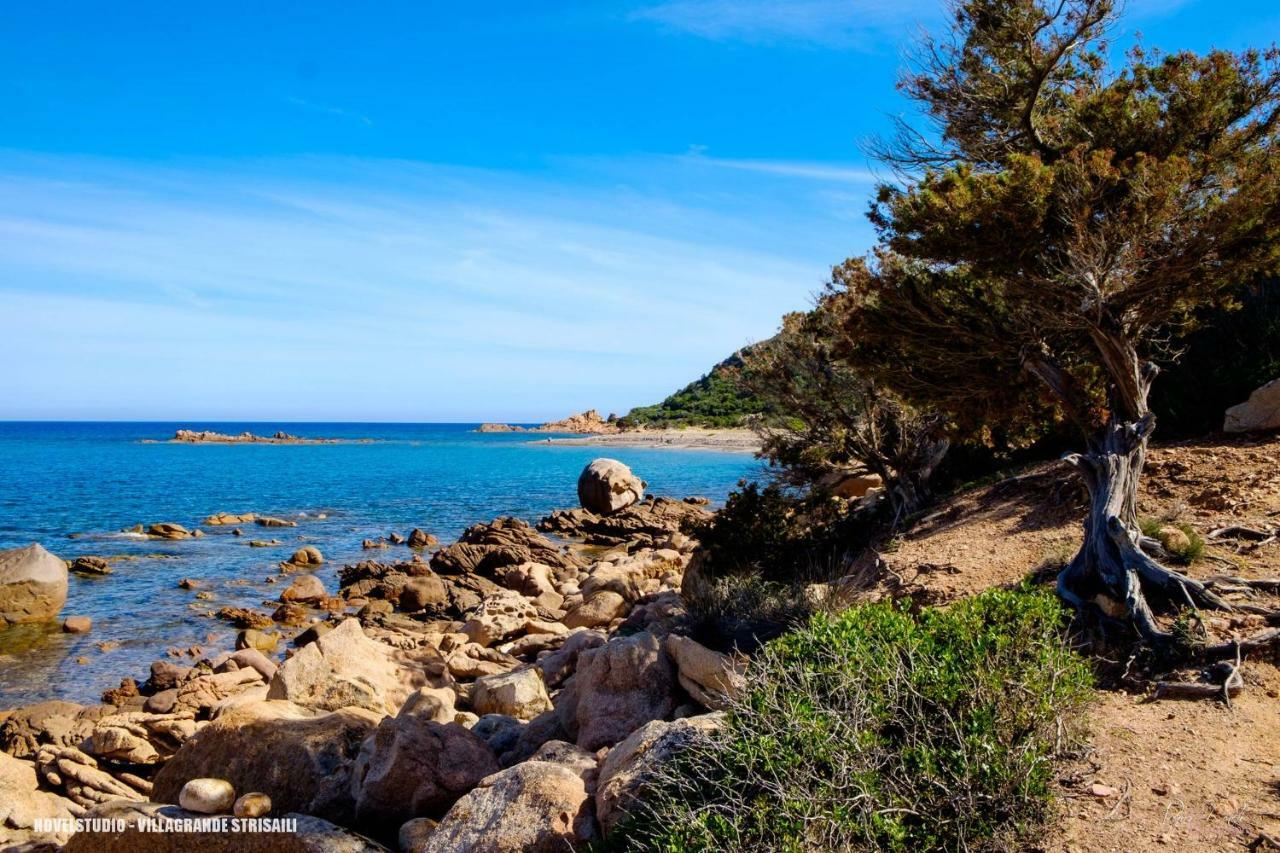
[824, 172]
[366, 291]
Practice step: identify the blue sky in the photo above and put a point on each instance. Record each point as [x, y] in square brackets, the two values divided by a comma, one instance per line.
[430, 211]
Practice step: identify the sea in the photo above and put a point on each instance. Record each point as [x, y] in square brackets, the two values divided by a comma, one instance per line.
[77, 487]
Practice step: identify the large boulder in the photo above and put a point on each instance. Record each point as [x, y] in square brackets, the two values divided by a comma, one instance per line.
[606, 486]
[484, 549]
[413, 766]
[22, 804]
[710, 677]
[1261, 412]
[309, 834]
[618, 687]
[654, 522]
[303, 762]
[33, 585]
[52, 723]
[342, 668]
[534, 807]
[520, 694]
[635, 763]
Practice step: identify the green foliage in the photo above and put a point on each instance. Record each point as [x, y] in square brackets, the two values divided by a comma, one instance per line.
[741, 612]
[715, 400]
[1186, 548]
[877, 729]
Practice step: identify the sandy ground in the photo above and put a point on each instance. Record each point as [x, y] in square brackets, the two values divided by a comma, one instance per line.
[692, 438]
[1174, 775]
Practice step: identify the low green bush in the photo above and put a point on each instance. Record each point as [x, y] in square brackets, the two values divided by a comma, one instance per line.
[877, 729]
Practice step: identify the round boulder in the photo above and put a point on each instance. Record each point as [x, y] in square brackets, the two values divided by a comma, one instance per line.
[606, 486]
[207, 796]
[33, 585]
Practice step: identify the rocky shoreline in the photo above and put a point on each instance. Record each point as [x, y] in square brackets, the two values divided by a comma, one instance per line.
[585, 423]
[506, 692]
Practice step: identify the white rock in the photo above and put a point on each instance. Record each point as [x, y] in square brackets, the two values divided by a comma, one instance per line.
[207, 796]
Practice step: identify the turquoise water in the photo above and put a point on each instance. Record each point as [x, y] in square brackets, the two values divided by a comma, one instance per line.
[74, 486]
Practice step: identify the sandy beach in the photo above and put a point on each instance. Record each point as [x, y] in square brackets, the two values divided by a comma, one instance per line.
[692, 438]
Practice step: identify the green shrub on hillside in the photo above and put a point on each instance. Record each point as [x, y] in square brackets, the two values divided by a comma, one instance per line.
[879, 729]
[715, 400]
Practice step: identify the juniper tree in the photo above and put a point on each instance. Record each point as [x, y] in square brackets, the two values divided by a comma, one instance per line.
[1053, 218]
[822, 416]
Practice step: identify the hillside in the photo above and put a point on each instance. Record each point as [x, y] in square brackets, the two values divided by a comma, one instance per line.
[1173, 774]
[713, 400]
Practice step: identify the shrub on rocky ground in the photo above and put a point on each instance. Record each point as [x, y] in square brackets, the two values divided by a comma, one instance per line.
[880, 729]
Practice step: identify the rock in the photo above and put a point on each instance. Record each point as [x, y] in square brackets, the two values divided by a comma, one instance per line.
[483, 549]
[419, 539]
[536, 733]
[306, 557]
[632, 764]
[472, 660]
[581, 762]
[414, 833]
[33, 585]
[432, 703]
[498, 617]
[560, 664]
[199, 695]
[252, 658]
[57, 723]
[207, 796]
[342, 668]
[304, 589]
[520, 694]
[303, 763]
[1261, 412]
[271, 521]
[242, 617]
[169, 530]
[228, 518]
[78, 776]
[395, 538]
[252, 638]
[653, 522]
[423, 592]
[607, 485]
[93, 566]
[77, 624]
[619, 687]
[372, 544]
[290, 614]
[600, 609]
[413, 766]
[22, 805]
[1174, 539]
[708, 676]
[189, 583]
[166, 674]
[312, 835]
[313, 632]
[253, 804]
[140, 737]
[534, 807]
[499, 731]
[263, 543]
[534, 581]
